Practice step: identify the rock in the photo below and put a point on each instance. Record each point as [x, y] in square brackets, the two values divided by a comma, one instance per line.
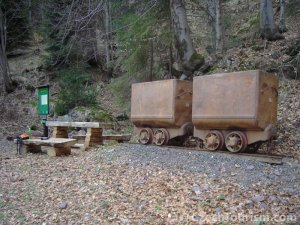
[276, 172]
[205, 188]
[63, 205]
[64, 118]
[275, 55]
[258, 198]
[36, 133]
[196, 198]
[198, 219]
[249, 204]
[196, 189]
[218, 211]
[273, 199]
[140, 182]
[87, 217]
[249, 167]
[263, 205]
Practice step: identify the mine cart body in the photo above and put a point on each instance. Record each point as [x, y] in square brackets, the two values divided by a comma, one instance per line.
[163, 104]
[240, 101]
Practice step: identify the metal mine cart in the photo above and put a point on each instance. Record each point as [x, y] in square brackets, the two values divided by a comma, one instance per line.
[161, 110]
[237, 110]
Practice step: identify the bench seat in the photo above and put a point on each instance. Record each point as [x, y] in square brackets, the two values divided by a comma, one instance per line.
[57, 146]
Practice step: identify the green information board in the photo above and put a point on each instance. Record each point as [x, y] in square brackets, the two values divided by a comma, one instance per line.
[43, 94]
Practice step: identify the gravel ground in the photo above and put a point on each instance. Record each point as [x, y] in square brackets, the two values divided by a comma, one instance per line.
[134, 184]
[216, 166]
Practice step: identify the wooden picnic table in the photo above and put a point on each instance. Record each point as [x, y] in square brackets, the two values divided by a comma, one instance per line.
[93, 135]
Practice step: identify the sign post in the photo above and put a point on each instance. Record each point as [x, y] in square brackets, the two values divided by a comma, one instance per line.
[43, 106]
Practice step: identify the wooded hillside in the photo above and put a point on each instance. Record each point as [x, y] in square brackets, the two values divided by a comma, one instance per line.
[101, 47]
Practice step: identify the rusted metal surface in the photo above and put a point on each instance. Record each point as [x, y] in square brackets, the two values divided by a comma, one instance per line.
[163, 107]
[214, 140]
[241, 102]
[161, 136]
[165, 103]
[233, 110]
[146, 136]
[236, 141]
[245, 100]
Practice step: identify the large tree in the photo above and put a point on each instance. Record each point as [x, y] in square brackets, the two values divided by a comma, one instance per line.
[268, 29]
[189, 59]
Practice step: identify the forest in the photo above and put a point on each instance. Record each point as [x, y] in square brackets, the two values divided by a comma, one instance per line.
[133, 41]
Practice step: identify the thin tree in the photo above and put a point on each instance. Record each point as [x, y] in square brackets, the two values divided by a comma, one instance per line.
[107, 32]
[8, 84]
[219, 27]
[190, 60]
[282, 26]
[268, 29]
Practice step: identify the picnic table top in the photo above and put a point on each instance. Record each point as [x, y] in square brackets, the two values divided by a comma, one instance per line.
[54, 142]
[79, 124]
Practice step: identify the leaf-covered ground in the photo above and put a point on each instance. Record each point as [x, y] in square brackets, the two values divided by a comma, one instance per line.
[87, 188]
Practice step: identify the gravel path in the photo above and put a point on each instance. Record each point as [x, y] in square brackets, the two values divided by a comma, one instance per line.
[216, 166]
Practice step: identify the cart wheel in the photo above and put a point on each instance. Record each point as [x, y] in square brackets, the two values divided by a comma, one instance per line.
[161, 137]
[236, 141]
[214, 140]
[146, 136]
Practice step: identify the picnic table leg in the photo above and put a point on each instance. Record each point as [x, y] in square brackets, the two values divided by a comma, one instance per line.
[60, 132]
[31, 148]
[93, 137]
[59, 151]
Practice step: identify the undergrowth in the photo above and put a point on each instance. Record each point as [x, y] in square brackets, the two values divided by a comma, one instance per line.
[76, 90]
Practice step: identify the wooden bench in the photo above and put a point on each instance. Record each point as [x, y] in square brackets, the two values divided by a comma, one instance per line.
[58, 146]
[92, 137]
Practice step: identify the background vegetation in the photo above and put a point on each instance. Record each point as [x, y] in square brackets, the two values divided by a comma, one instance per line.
[122, 42]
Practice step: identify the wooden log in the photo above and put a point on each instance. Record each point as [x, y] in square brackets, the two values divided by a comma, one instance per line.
[79, 124]
[60, 132]
[32, 148]
[118, 137]
[93, 137]
[54, 142]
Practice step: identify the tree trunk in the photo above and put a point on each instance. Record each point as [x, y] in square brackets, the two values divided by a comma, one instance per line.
[107, 33]
[267, 25]
[282, 26]
[211, 23]
[219, 27]
[151, 60]
[30, 13]
[190, 60]
[8, 85]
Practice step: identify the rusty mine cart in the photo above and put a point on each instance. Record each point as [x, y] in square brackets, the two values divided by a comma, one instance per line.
[161, 110]
[233, 110]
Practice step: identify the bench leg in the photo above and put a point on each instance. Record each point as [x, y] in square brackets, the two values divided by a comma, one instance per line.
[93, 137]
[31, 148]
[60, 132]
[59, 151]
